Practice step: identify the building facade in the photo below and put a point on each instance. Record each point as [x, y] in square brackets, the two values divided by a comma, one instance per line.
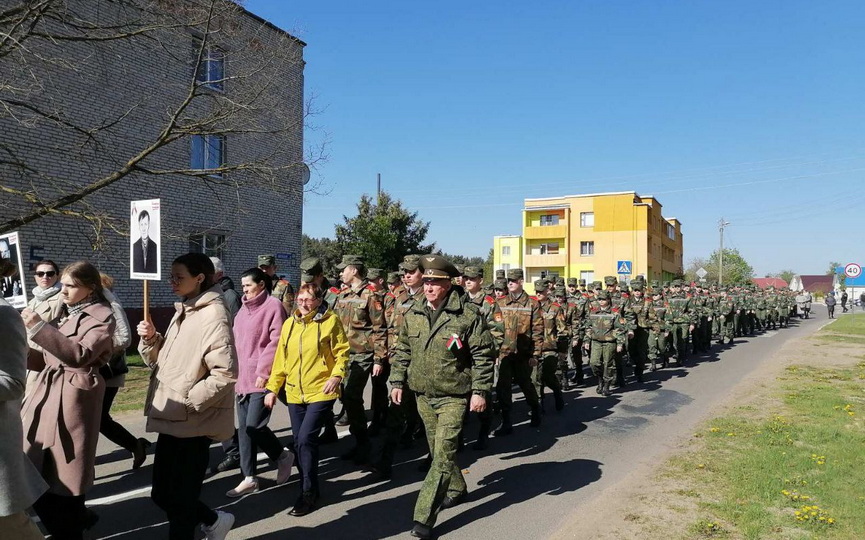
[596, 235]
[231, 91]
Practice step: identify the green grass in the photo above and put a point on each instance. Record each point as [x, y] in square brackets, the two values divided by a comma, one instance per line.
[131, 396]
[755, 470]
[848, 329]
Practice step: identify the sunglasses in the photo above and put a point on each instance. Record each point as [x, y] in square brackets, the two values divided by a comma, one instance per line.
[50, 273]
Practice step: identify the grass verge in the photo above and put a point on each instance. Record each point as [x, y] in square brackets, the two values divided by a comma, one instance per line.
[131, 396]
[847, 329]
[788, 464]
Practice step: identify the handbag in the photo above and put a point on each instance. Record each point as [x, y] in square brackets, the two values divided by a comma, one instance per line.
[115, 367]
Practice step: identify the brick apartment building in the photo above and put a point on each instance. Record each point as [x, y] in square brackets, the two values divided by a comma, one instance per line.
[245, 120]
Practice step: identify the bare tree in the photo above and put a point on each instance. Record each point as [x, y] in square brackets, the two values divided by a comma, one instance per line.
[184, 76]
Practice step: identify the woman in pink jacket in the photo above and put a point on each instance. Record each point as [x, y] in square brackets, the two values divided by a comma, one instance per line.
[256, 334]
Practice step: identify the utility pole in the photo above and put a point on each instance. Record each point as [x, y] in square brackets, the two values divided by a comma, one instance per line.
[721, 225]
[378, 187]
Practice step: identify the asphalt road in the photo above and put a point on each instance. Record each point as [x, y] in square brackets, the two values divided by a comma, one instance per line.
[527, 485]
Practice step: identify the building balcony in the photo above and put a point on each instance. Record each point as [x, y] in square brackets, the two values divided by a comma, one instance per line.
[535, 261]
[546, 231]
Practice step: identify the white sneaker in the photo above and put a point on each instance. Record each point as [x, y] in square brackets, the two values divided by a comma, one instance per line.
[245, 487]
[283, 466]
[219, 529]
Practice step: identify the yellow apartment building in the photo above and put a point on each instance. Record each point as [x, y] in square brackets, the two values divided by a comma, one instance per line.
[592, 236]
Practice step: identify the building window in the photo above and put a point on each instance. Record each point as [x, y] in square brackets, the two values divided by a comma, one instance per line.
[211, 73]
[208, 152]
[587, 219]
[671, 232]
[551, 219]
[506, 250]
[551, 248]
[588, 275]
[211, 244]
[506, 267]
[587, 248]
[549, 274]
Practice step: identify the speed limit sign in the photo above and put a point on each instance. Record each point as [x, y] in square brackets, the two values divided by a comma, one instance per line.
[852, 270]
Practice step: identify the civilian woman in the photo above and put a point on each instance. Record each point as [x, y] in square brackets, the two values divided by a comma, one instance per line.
[256, 333]
[190, 401]
[310, 363]
[47, 304]
[115, 377]
[61, 416]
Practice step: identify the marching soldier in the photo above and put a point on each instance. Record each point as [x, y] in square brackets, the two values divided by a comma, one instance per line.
[644, 314]
[521, 346]
[605, 334]
[445, 354]
[659, 332]
[361, 312]
[379, 398]
[282, 289]
[554, 340]
[680, 318]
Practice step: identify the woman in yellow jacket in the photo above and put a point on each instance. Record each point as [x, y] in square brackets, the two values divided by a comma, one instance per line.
[310, 363]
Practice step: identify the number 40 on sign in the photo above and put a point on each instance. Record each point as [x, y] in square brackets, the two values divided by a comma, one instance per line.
[852, 270]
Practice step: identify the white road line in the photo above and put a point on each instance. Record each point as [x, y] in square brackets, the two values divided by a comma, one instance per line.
[102, 501]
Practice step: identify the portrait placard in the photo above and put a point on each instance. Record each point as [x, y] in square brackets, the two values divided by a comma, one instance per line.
[12, 287]
[145, 243]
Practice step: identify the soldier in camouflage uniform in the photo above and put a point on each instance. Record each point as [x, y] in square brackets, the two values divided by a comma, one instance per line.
[282, 289]
[473, 278]
[659, 332]
[703, 314]
[620, 300]
[361, 312]
[644, 314]
[726, 309]
[402, 418]
[445, 354]
[521, 346]
[548, 373]
[577, 307]
[379, 398]
[680, 318]
[605, 334]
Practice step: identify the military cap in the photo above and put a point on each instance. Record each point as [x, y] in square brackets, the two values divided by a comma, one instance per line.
[541, 285]
[473, 272]
[266, 260]
[500, 274]
[572, 282]
[501, 283]
[392, 277]
[610, 280]
[410, 263]
[560, 291]
[656, 284]
[603, 295]
[309, 268]
[597, 285]
[637, 286]
[582, 283]
[515, 273]
[350, 260]
[560, 280]
[666, 284]
[678, 283]
[437, 267]
[374, 273]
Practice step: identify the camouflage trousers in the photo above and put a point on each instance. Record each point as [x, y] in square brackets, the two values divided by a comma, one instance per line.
[577, 360]
[657, 346]
[679, 332]
[602, 358]
[359, 370]
[548, 373]
[443, 420]
[401, 421]
[726, 327]
[513, 368]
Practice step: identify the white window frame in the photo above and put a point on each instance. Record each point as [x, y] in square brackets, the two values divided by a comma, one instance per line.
[587, 219]
[207, 74]
[588, 275]
[551, 220]
[506, 251]
[209, 143]
[211, 244]
[587, 248]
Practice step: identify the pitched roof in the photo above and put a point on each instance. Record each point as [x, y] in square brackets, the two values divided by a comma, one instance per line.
[764, 282]
[817, 283]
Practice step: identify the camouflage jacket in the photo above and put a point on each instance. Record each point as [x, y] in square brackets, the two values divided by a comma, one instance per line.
[449, 357]
[400, 304]
[284, 292]
[659, 323]
[642, 311]
[523, 326]
[726, 306]
[605, 323]
[555, 327]
[492, 315]
[679, 309]
[699, 307]
[330, 293]
[362, 315]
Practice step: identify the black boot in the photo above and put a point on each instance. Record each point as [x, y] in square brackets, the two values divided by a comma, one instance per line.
[506, 428]
[560, 400]
[600, 388]
[483, 436]
[605, 391]
[535, 415]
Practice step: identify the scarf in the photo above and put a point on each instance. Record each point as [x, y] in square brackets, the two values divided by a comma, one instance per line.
[42, 295]
[75, 309]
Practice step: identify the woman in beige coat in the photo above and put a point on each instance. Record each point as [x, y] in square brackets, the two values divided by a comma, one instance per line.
[61, 416]
[190, 402]
[47, 303]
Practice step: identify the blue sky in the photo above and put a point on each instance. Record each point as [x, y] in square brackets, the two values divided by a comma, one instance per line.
[748, 110]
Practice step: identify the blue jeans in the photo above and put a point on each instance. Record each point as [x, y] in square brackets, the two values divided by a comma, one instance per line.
[253, 433]
[307, 419]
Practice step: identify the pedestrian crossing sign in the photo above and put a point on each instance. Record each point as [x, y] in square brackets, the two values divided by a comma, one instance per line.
[624, 267]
